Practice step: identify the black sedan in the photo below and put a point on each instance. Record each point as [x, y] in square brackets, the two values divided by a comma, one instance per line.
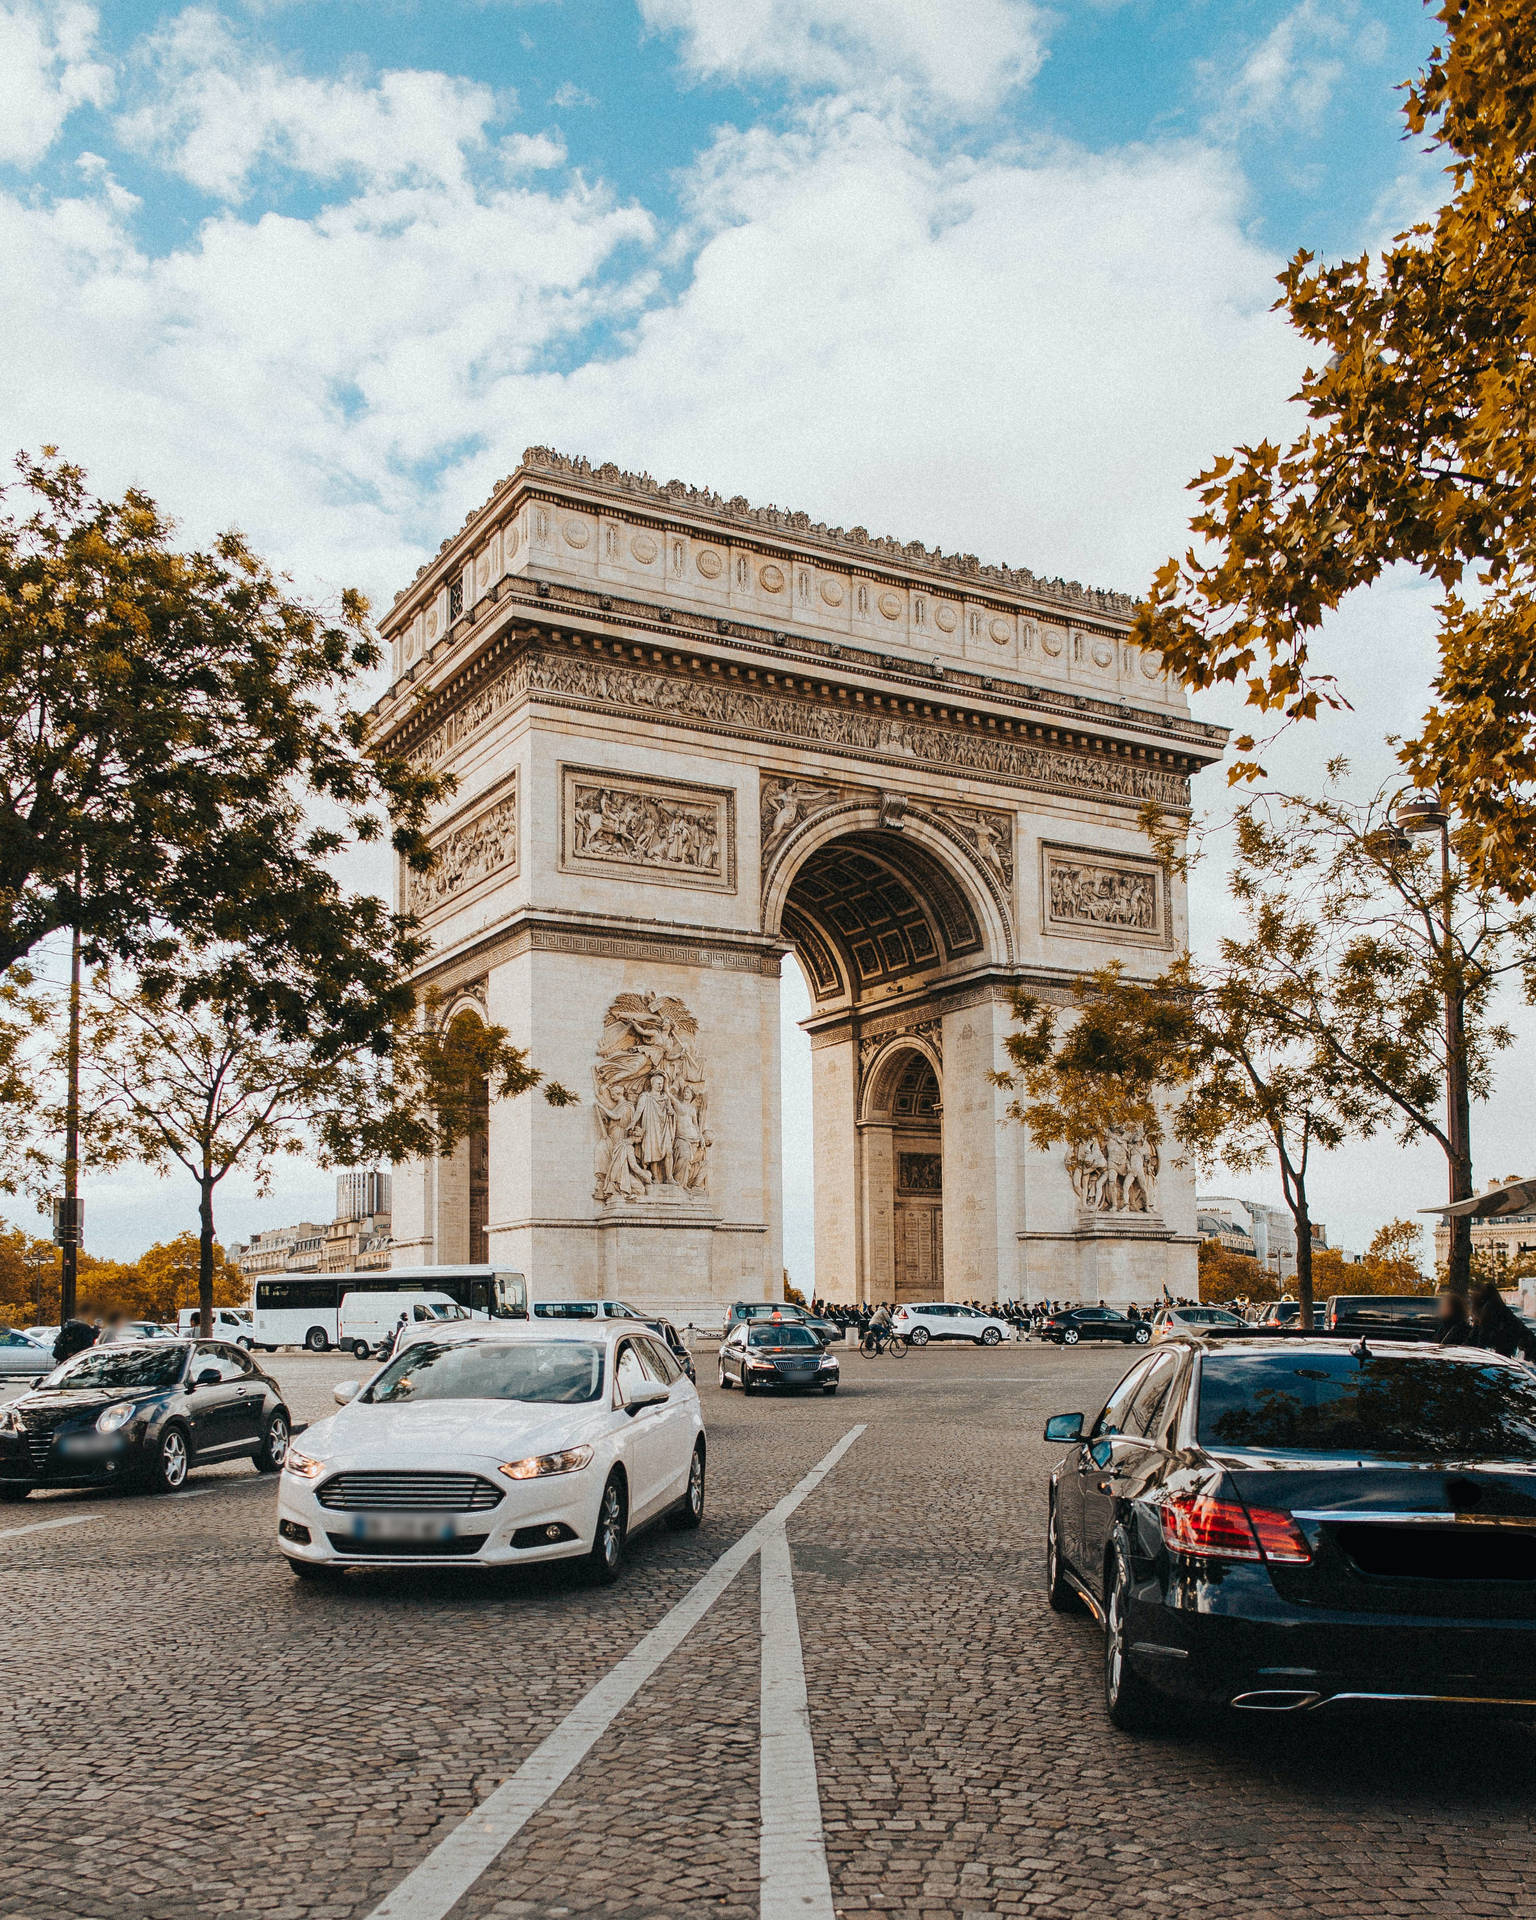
[141, 1413]
[1287, 1524]
[1095, 1323]
[760, 1354]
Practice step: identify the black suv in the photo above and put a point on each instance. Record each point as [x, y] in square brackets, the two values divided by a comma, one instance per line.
[1096, 1323]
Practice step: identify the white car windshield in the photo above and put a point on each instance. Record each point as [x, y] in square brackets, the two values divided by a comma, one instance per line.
[559, 1371]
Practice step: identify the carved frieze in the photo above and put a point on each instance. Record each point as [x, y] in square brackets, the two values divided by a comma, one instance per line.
[480, 844]
[650, 1102]
[670, 831]
[753, 713]
[1103, 896]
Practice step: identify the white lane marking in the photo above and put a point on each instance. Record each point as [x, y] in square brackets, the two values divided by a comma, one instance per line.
[453, 1866]
[42, 1526]
[792, 1854]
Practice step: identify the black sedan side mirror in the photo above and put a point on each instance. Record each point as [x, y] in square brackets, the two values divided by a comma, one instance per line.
[209, 1377]
[1064, 1427]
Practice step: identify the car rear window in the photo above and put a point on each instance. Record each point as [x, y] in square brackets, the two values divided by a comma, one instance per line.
[1412, 1407]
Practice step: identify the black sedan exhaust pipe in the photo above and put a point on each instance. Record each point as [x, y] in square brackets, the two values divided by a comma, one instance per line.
[1276, 1700]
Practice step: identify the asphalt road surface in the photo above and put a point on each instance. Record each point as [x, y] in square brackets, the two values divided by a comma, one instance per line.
[843, 1695]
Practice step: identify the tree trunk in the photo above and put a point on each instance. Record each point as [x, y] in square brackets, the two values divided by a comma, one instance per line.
[205, 1260]
[1458, 1272]
[1303, 1221]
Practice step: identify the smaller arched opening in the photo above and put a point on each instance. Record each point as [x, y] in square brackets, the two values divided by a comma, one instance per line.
[464, 1173]
[902, 1175]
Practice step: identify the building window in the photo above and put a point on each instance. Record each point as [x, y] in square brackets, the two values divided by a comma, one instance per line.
[455, 599]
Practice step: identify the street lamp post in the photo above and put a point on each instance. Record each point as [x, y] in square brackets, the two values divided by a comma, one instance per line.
[1420, 813]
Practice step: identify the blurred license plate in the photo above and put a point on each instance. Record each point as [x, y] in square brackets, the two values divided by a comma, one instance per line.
[88, 1446]
[401, 1526]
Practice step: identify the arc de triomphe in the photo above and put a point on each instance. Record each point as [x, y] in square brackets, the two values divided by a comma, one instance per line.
[690, 736]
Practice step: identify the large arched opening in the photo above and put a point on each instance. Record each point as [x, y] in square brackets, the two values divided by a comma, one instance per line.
[886, 923]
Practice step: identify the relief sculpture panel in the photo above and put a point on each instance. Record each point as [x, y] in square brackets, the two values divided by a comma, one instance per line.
[680, 834]
[468, 852]
[650, 1101]
[1116, 1173]
[1103, 898]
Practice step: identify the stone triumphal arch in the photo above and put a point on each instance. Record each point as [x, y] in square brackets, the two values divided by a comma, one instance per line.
[691, 736]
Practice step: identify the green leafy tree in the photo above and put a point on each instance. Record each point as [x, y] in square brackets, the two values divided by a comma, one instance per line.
[1418, 452]
[1391, 962]
[190, 1072]
[170, 722]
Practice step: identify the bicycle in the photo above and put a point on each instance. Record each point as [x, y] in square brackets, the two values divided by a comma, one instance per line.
[875, 1343]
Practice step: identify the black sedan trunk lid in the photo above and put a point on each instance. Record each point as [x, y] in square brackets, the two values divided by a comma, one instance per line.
[1452, 1539]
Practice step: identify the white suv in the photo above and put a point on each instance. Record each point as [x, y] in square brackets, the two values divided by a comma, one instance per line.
[946, 1320]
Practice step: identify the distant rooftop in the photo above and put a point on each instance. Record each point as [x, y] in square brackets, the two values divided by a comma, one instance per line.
[908, 553]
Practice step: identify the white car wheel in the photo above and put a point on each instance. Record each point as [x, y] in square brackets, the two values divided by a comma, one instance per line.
[918, 1336]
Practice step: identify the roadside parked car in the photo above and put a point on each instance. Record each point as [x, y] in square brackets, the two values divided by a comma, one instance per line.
[1286, 1525]
[948, 1320]
[142, 1413]
[1171, 1320]
[761, 1354]
[229, 1323]
[783, 1312]
[44, 1336]
[21, 1355]
[1067, 1328]
[121, 1330]
[493, 1443]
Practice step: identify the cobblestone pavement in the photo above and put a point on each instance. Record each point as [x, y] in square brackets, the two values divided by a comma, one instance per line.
[190, 1731]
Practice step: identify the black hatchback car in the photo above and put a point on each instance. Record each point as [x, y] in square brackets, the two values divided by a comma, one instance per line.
[1284, 1524]
[764, 1354]
[1095, 1323]
[142, 1413]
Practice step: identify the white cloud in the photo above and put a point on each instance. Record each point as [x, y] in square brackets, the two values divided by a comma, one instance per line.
[1289, 78]
[965, 54]
[568, 95]
[46, 71]
[214, 112]
[1020, 352]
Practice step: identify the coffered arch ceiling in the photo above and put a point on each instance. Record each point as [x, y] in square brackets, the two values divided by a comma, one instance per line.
[871, 910]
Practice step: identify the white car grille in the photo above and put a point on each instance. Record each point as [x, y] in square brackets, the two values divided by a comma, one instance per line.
[408, 1492]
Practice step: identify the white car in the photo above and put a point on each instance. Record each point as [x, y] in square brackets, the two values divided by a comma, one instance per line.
[497, 1444]
[229, 1323]
[947, 1320]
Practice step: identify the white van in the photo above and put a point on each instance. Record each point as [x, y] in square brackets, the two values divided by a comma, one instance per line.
[366, 1320]
[229, 1323]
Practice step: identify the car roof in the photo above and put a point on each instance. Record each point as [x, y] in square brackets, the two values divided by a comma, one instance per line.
[1262, 1341]
[585, 1331]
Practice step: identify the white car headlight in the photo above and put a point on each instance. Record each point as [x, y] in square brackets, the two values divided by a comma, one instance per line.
[571, 1461]
[302, 1466]
[829, 1360]
[110, 1419]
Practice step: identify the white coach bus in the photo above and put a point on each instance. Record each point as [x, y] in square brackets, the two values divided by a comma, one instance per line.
[301, 1309]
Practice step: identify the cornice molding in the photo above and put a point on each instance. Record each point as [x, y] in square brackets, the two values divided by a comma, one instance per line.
[575, 474]
[600, 613]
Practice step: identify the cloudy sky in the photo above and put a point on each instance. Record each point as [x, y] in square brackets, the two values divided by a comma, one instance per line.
[985, 272]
